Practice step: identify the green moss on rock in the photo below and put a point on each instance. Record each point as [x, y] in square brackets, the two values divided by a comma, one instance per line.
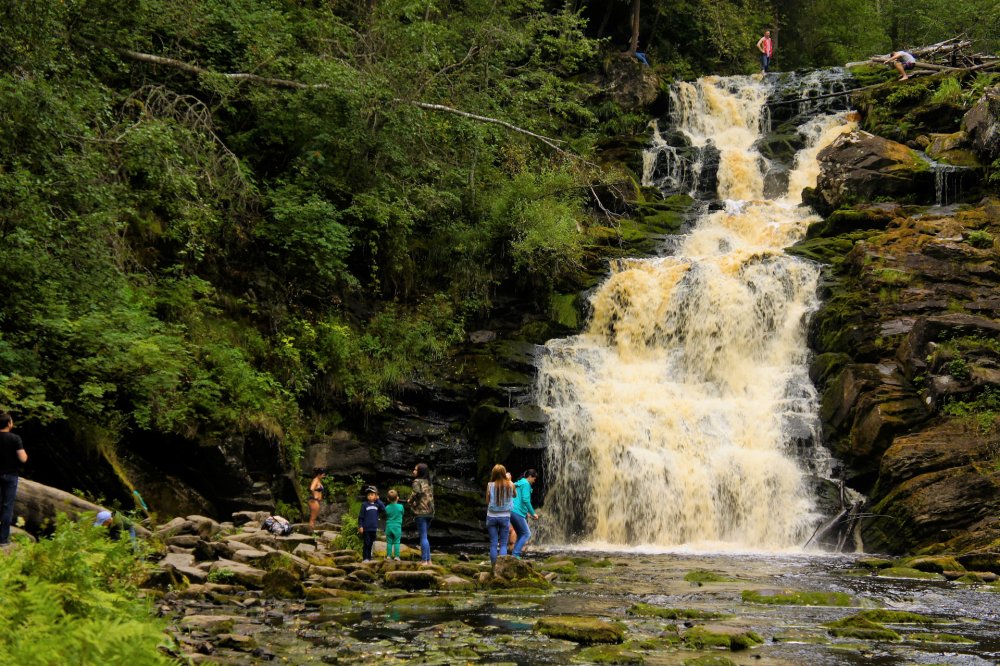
[797, 598]
[906, 572]
[585, 630]
[704, 637]
[858, 627]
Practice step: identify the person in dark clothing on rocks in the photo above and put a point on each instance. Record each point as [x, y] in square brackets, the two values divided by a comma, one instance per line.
[12, 456]
[368, 521]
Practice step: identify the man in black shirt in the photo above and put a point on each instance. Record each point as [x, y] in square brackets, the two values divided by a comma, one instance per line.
[12, 456]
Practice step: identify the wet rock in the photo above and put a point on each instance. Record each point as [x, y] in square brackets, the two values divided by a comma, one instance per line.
[860, 166]
[241, 573]
[512, 572]
[236, 642]
[213, 624]
[982, 124]
[457, 583]
[412, 580]
[702, 637]
[586, 630]
[282, 584]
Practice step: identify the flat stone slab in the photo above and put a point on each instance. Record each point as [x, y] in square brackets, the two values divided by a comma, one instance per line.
[411, 580]
[586, 630]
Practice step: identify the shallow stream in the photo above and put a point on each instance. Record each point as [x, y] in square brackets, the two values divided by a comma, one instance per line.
[475, 626]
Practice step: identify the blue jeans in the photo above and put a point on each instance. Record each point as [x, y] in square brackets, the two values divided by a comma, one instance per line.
[520, 524]
[499, 528]
[424, 524]
[765, 61]
[8, 491]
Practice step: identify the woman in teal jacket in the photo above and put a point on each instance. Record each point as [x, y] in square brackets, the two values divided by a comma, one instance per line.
[522, 509]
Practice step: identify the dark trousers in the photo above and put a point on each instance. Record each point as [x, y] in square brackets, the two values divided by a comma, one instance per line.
[8, 491]
[369, 540]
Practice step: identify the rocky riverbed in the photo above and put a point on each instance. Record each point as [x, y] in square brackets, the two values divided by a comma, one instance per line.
[237, 594]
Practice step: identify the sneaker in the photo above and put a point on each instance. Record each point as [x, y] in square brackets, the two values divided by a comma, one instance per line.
[396, 558]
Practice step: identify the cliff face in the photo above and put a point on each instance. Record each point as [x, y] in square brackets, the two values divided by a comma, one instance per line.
[908, 339]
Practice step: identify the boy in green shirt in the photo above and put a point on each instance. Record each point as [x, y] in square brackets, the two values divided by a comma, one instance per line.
[393, 525]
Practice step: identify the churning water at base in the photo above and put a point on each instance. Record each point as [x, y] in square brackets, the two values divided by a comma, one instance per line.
[684, 414]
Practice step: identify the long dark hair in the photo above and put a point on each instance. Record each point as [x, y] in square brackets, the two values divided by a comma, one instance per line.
[503, 489]
[423, 471]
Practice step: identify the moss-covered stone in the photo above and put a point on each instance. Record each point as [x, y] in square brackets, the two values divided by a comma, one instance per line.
[797, 598]
[938, 564]
[906, 572]
[564, 309]
[887, 616]
[858, 627]
[702, 637]
[585, 630]
[648, 610]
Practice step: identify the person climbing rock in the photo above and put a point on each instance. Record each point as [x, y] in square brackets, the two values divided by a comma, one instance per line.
[903, 62]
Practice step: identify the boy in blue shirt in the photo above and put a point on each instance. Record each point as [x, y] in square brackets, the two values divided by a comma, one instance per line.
[368, 521]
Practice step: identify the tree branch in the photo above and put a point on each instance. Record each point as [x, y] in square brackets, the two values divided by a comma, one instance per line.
[298, 85]
[235, 76]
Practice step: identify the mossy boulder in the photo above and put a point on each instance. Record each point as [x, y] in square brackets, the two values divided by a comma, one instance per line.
[861, 628]
[586, 630]
[938, 564]
[701, 637]
[282, 584]
[860, 166]
[906, 572]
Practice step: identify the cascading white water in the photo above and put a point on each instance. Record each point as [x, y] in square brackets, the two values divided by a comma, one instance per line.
[674, 418]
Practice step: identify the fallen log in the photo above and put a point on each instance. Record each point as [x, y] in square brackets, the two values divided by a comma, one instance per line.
[39, 504]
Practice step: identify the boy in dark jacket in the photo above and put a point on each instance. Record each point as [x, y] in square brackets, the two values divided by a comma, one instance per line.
[368, 521]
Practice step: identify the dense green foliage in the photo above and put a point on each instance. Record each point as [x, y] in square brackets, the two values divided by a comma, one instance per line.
[281, 221]
[193, 254]
[71, 598]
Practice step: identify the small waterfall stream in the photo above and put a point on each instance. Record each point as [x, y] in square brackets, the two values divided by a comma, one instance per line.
[684, 414]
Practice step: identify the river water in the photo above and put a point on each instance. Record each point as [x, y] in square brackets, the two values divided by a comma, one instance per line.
[391, 627]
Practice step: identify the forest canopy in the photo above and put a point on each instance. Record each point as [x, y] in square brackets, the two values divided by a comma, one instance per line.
[266, 216]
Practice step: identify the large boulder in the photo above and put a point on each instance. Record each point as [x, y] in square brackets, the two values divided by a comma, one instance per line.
[982, 125]
[858, 167]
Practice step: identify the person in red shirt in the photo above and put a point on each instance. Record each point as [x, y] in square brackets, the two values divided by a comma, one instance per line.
[766, 49]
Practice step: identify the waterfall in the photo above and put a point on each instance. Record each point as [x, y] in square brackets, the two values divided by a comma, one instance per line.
[684, 413]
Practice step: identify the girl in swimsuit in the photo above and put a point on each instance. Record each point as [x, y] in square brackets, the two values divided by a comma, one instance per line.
[315, 495]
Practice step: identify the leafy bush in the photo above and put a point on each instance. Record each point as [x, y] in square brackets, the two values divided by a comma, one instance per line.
[980, 238]
[72, 597]
[950, 90]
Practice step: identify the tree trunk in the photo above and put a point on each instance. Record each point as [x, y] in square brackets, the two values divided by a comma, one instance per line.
[39, 504]
[634, 45]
